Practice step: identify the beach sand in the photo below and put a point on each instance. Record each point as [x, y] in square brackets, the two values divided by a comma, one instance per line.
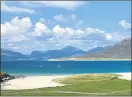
[126, 76]
[33, 82]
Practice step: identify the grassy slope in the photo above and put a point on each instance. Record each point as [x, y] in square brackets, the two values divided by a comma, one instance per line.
[83, 84]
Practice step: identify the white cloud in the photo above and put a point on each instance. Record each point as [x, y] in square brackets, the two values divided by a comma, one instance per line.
[87, 34]
[60, 17]
[67, 20]
[63, 18]
[41, 29]
[24, 23]
[97, 34]
[22, 29]
[124, 24]
[16, 26]
[109, 36]
[63, 32]
[7, 28]
[94, 30]
[104, 36]
[69, 5]
[116, 36]
[58, 31]
[29, 4]
[16, 29]
[14, 9]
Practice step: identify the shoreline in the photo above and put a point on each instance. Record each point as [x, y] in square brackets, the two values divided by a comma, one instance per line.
[20, 75]
[125, 76]
[76, 59]
[44, 81]
[88, 59]
[95, 60]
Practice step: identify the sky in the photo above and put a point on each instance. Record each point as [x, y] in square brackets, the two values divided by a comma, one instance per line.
[47, 25]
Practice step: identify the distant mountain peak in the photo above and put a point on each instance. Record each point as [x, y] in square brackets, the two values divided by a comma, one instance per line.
[70, 48]
[98, 48]
[11, 55]
[121, 50]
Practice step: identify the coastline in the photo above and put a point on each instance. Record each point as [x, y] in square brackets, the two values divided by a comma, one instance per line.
[125, 76]
[34, 82]
[88, 59]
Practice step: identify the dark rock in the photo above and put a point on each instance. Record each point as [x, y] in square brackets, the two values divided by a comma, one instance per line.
[5, 77]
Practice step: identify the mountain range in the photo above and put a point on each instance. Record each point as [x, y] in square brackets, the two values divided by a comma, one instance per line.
[12, 55]
[121, 50]
[67, 51]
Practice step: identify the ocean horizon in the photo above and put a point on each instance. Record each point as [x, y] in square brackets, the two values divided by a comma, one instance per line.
[35, 68]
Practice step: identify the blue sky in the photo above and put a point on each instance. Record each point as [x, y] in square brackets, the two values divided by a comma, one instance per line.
[46, 25]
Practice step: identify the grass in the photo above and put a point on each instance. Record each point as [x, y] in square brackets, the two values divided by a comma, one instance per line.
[82, 85]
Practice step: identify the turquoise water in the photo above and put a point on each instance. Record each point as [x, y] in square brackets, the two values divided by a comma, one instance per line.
[64, 67]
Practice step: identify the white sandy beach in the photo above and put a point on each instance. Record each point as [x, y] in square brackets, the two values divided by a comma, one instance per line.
[33, 82]
[126, 76]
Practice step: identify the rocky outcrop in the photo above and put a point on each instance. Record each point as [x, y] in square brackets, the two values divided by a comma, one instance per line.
[5, 76]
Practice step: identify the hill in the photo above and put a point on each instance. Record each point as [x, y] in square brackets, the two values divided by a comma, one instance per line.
[121, 51]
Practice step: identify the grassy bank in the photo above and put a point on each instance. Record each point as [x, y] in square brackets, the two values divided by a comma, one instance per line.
[93, 84]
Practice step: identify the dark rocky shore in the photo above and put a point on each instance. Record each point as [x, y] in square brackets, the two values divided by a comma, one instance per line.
[5, 77]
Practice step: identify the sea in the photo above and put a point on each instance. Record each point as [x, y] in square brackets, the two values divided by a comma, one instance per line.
[27, 68]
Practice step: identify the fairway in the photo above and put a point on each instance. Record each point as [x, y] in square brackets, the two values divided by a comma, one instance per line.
[93, 84]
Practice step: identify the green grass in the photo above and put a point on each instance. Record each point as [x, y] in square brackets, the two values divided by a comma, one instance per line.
[80, 85]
